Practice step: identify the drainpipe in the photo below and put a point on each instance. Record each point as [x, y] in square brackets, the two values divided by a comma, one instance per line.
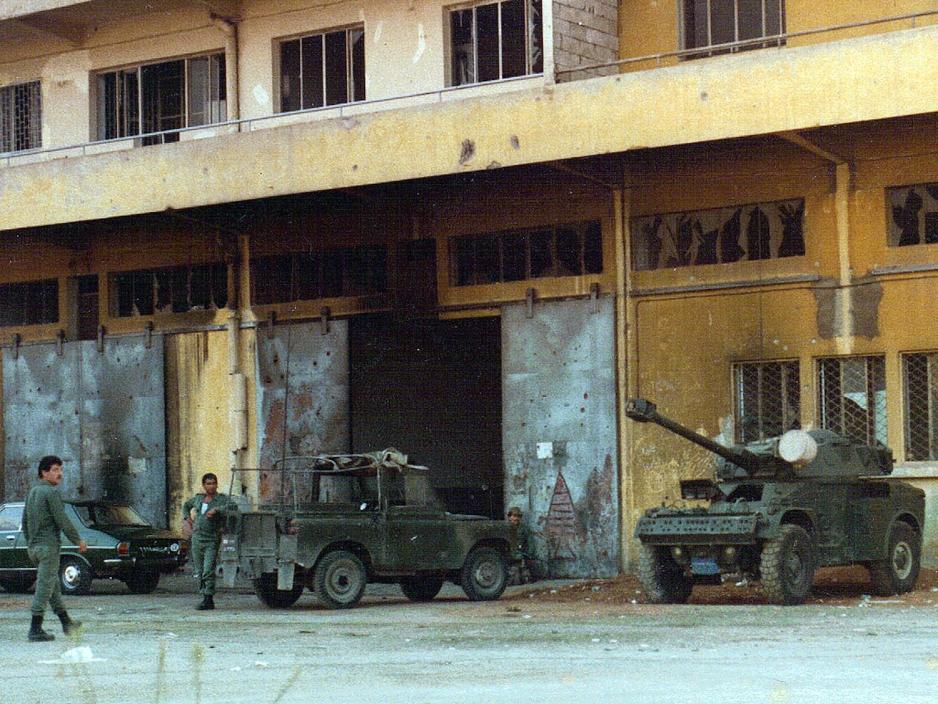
[229, 27]
[237, 384]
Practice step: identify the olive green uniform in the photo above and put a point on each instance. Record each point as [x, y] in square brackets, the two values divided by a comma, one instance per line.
[206, 535]
[44, 520]
[522, 553]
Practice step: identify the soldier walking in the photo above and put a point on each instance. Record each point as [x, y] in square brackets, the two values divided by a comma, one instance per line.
[44, 520]
[208, 512]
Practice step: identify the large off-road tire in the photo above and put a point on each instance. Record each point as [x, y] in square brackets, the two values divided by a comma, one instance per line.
[265, 587]
[661, 577]
[75, 576]
[340, 579]
[787, 566]
[421, 588]
[898, 572]
[143, 581]
[484, 574]
[20, 584]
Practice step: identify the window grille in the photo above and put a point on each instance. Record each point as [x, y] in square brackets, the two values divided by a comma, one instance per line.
[169, 290]
[494, 41]
[29, 303]
[913, 214]
[710, 22]
[307, 276]
[768, 399]
[920, 377]
[322, 69]
[852, 397]
[20, 117]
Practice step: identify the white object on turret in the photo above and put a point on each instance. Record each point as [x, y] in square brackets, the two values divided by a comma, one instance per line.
[797, 447]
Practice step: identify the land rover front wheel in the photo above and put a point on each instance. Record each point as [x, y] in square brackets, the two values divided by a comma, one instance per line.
[265, 587]
[898, 572]
[787, 566]
[484, 574]
[340, 579]
[661, 577]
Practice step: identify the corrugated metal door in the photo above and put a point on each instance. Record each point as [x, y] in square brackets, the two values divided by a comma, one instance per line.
[559, 432]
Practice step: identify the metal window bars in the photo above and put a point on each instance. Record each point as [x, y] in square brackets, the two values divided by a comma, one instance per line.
[20, 117]
[767, 399]
[852, 397]
[920, 386]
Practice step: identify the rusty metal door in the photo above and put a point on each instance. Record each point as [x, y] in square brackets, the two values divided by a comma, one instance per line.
[559, 432]
[102, 412]
[302, 390]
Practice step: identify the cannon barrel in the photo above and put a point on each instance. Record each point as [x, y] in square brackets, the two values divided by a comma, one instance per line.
[644, 411]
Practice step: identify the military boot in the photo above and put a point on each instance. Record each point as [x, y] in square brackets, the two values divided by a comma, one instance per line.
[208, 604]
[35, 630]
[68, 625]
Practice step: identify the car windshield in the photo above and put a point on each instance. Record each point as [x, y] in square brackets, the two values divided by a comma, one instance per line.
[98, 515]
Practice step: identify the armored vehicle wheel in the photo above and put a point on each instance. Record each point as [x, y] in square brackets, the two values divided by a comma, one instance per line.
[662, 578]
[421, 588]
[898, 572]
[484, 574]
[19, 584]
[143, 581]
[340, 579]
[74, 576]
[787, 566]
[265, 587]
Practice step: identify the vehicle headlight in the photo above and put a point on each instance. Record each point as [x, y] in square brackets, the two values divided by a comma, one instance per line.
[174, 547]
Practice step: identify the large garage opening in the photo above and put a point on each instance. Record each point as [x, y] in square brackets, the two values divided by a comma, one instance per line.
[432, 389]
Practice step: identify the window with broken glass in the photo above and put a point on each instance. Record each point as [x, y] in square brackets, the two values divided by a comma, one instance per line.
[493, 41]
[712, 22]
[852, 397]
[29, 303]
[768, 399]
[771, 230]
[177, 289]
[322, 69]
[920, 379]
[306, 276]
[157, 98]
[20, 117]
[515, 255]
[913, 214]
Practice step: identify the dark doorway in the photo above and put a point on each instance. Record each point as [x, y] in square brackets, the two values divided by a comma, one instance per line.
[432, 389]
[88, 319]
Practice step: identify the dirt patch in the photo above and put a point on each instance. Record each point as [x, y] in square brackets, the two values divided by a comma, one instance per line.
[836, 586]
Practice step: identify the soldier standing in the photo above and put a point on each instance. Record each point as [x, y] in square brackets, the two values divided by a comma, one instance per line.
[522, 548]
[208, 512]
[44, 520]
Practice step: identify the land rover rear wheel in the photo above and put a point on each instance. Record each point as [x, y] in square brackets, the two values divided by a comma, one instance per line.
[265, 587]
[787, 566]
[898, 572]
[484, 574]
[340, 579]
[421, 588]
[661, 577]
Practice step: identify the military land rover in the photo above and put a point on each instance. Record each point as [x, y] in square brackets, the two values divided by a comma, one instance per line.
[333, 523]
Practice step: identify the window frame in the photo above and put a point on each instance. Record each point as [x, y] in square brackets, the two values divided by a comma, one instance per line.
[820, 395]
[704, 50]
[931, 413]
[11, 88]
[45, 285]
[788, 377]
[349, 67]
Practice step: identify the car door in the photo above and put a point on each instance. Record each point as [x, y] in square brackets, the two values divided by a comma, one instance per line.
[12, 541]
[418, 532]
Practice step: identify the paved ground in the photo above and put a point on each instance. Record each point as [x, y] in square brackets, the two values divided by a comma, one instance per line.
[523, 649]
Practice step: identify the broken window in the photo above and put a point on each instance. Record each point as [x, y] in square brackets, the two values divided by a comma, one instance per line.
[719, 235]
[29, 303]
[515, 255]
[711, 22]
[322, 69]
[161, 97]
[920, 377]
[768, 399]
[913, 214]
[307, 276]
[170, 290]
[20, 117]
[492, 41]
[852, 397]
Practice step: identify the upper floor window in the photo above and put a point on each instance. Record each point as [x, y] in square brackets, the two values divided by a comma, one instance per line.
[306, 276]
[913, 214]
[20, 117]
[161, 97]
[710, 22]
[852, 397]
[492, 41]
[719, 235]
[171, 290]
[29, 303]
[515, 255]
[768, 399]
[322, 69]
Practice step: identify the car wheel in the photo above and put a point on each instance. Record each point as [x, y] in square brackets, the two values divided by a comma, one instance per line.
[484, 574]
[898, 572]
[19, 584]
[787, 566]
[340, 579]
[421, 588]
[143, 581]
[265, 587]
[75, 576]
[661, 577]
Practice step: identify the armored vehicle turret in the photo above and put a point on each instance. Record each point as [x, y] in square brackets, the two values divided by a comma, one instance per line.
[779, 509]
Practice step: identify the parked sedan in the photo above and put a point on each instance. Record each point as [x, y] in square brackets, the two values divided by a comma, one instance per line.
[121, 545]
